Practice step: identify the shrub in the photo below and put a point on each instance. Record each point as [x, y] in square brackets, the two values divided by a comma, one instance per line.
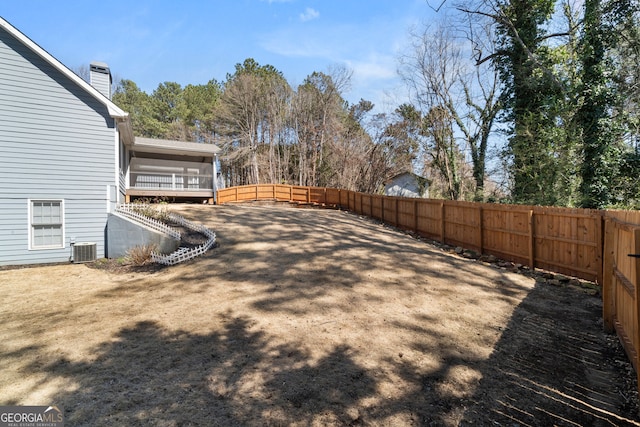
[140, 255]
[152, 208]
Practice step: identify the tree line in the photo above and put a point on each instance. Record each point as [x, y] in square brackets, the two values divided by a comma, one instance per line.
[270, 132]
[522, 101]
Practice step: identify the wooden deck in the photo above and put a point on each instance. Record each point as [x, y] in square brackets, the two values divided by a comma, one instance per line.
[204, 195]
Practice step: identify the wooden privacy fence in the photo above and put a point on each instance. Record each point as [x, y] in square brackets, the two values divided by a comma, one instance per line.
[620, 290]
[574, 242]
[566, 241]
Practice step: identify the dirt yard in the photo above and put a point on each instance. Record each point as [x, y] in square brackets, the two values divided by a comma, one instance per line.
[309, 317]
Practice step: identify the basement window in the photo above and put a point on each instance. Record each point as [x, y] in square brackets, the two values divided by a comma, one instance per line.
[46, 224]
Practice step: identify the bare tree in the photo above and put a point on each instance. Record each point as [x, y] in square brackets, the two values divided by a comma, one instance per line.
[392, 152]
[275, 156]
[252, 116]
[456, 96]
[318, 116]
[239, 117]
[349, 153]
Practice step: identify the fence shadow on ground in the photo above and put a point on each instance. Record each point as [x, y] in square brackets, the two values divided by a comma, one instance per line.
[553, 366]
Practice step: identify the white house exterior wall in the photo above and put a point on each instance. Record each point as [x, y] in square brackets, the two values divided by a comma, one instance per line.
[405, 185]
[56, 142]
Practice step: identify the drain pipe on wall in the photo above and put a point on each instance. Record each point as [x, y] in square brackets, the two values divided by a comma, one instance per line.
[72, 243]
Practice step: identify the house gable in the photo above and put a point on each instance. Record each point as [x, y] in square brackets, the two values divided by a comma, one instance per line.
[58, 141]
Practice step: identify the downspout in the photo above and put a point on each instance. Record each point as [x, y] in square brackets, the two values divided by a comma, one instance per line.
[113, 191]
[125, 134]
[127, 170]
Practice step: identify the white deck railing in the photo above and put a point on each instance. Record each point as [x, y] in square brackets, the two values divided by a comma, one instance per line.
[171, 181]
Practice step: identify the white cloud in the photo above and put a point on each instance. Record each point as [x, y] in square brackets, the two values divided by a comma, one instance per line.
[381, 67]
[309, 14]
[308, 43]
[368, 49]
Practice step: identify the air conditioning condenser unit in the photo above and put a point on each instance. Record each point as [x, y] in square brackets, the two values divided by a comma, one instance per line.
[84, 252]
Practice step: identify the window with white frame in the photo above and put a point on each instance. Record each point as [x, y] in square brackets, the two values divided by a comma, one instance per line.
[46, 224]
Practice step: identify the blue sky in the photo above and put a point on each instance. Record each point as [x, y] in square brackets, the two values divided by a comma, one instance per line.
[189, 41]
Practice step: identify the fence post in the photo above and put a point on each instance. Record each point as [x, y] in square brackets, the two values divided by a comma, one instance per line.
[636, 249]
[442, 224]
[256, 191]
[636, 344]
[382, 201]
[480, 230]
[532, 241]
[396, 222]
[600, 247]
[415, 215]
[370, 206]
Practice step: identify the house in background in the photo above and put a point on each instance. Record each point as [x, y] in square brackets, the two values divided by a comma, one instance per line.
[407, 184]
[68, 156]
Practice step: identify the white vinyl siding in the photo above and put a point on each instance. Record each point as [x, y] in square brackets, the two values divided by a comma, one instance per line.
[46, 222]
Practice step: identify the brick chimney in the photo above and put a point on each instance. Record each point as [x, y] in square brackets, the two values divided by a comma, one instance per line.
[100, 78]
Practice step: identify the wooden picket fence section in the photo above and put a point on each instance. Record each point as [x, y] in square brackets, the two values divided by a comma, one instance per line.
[566, 241]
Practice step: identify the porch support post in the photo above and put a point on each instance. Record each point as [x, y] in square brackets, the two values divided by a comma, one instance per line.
[214, 179]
